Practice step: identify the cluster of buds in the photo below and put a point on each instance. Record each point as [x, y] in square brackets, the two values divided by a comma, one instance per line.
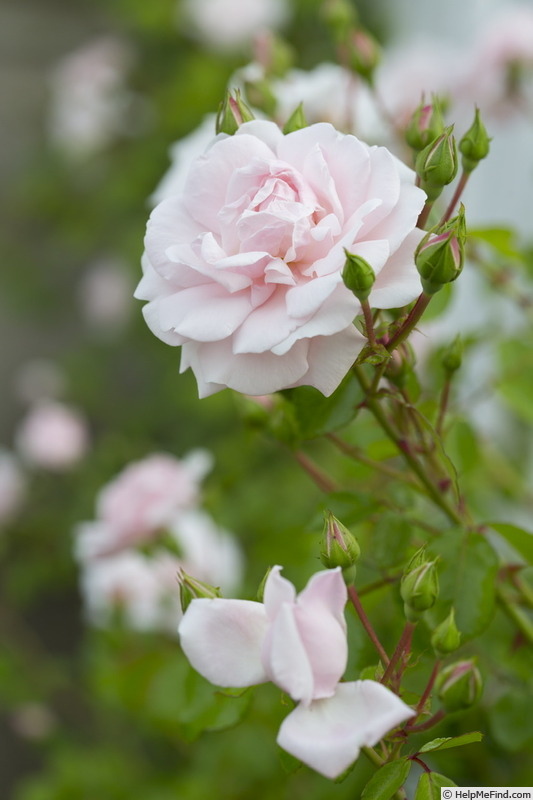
[419, 587]
[439, 257]
[339, 548]
[459, 685]
[358, 276]
[232, 112]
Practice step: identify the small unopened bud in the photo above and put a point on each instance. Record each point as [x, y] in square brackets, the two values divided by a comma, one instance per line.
[261, 589]
[340, 16]
[453, 355]
[425, 126]
[274, 54]
[339, 547]
[459, 685]
[446, 637]
[439, 257]
[232, 112]
[191, 588]
[358, 276]
[364, 54]
[437, 163]
[296, 121]
[475, 144]
[419, 586]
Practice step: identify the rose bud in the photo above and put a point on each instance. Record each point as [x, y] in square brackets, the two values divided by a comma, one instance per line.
[453, 356]
[439, 257]
[459, 686]
[340, 548]
[437, 164]
[191, 588]
[446, 637]
[358, 276]
[419, 586]
[296, 121]
[232, 112]
[364, 54]
[425, 126]
[474, 145]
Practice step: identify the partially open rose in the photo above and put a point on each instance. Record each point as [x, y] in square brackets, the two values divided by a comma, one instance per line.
[243, 268]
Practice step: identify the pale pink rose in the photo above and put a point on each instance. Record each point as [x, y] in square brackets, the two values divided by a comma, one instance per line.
[90, 104]
[105, 295]
[143, 590]
[53, 436]
[244, 268]
[298, 643]
[12, 486]
[141, 501]
[229, 24]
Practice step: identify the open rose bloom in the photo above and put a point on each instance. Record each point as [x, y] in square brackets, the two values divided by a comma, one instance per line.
[298, 643]
[243, 267]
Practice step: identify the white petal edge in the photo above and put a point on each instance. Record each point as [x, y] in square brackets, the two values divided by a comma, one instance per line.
[328, 734]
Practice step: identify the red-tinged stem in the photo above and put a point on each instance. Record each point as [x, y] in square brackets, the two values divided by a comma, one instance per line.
[443, 407]
[437, 717]
[322, 480]
[369, 323]
[420, 762]
[429, 687]
[424, 214]
[456, 195]
[354, 597]
[403, 644]
[412, 319]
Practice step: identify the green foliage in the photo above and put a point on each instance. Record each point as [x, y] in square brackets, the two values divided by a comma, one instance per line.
[451, 741]
[430, 784]
[468, 567]
[520, 539]
[387, 780]
[316, 415]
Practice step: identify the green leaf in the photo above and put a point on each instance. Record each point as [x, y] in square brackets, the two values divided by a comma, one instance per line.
[511, 720]
[520, 539]
[387, 780]
[451, 741]
[430, 784]
[467, 573]
[373, 354]
[316, 415]
[503, 240]
[515, 383]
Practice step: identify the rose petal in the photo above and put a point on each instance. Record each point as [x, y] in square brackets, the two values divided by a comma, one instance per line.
[328, 734]
[223, 638]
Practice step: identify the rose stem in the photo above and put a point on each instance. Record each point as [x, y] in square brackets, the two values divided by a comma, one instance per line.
[437, 717]
[412, 319]
[354, 597]
[436, 496]
[322, 480]
[358, 455]
[424, 214]
[456, 195]
[443, 406]
[369, 323]
[403, 643]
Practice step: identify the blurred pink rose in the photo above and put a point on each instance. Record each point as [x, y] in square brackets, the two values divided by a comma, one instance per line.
[299, 643]
[53, 436]
[243, 269]
[229, 24]
[141, 501]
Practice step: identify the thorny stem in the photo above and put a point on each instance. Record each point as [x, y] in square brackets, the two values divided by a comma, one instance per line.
[456, 195]
[403, 644]
[434, 493]
[322, 480]
[354, 597]
[412, 319]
